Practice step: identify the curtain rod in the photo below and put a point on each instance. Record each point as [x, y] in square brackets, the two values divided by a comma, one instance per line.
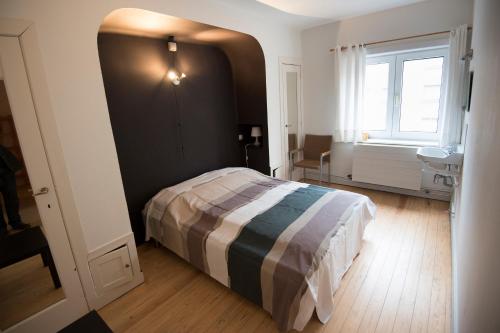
[398, 39]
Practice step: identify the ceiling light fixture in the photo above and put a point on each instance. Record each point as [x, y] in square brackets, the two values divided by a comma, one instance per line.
[173, 74]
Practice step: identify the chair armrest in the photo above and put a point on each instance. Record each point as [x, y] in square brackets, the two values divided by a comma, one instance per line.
[292, 152]
[323, 155]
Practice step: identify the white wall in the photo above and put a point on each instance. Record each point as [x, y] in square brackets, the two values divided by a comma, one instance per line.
[319, 103]
[477, 226]
[67, 36]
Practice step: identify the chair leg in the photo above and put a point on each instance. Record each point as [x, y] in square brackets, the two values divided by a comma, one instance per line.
[320, 173]
[52, 268]
[329, 171]
[45, 260]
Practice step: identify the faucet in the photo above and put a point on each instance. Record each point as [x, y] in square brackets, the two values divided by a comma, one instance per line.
[451, 148]
[447, 180]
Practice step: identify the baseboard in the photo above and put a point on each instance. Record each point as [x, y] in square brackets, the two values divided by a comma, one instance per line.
[425, 193]
[454, 275]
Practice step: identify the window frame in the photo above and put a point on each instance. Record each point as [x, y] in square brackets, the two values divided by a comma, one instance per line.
[394, 99]
[391, 60]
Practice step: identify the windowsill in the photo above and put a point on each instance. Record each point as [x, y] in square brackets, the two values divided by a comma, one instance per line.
[393, 142]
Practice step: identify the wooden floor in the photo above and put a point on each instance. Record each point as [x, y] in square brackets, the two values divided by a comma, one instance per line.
[400, 282]
[25, 288]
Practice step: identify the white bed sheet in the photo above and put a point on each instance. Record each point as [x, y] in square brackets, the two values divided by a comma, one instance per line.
[344, 247]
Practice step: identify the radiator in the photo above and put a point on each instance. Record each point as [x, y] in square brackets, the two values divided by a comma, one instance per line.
[395, 166]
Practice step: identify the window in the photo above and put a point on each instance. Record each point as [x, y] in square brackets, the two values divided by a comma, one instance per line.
[404, 95]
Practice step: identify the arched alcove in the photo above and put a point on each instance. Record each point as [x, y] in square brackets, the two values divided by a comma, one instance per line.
[165, 134]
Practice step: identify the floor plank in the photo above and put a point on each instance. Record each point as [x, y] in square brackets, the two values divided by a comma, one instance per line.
[400, 282]
[392, 275]
[407, 266]
[421, 308]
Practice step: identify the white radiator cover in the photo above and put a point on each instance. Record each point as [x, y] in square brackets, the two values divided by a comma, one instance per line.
[395, 166]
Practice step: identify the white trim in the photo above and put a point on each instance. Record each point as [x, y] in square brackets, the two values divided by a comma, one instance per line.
[28, 126]
[454, 273]
[48, 128]
[288, 64]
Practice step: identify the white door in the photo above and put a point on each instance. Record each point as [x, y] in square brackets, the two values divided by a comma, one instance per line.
[31, 300]
[291, 92]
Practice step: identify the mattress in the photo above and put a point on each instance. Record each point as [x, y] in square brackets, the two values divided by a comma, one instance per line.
[283, 245]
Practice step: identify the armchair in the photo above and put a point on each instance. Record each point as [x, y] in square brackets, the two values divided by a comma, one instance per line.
[316, 153]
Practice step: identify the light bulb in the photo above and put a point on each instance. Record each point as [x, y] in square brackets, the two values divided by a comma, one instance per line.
[172, 75]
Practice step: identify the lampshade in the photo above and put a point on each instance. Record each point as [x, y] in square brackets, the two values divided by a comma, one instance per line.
[256, 132]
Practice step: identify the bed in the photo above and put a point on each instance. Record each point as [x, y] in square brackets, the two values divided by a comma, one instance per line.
[283, 245]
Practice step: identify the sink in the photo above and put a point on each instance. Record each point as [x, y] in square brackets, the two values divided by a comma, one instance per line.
[442, 161]
[436, 155]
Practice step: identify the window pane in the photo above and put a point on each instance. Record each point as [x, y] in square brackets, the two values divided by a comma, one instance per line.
[420, 95]
[376, 90]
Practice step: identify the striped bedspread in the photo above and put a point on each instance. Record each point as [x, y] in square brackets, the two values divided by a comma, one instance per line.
[263, 237]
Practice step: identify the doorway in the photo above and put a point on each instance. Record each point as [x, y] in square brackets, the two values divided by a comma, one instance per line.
[291, 114]
[39, 285]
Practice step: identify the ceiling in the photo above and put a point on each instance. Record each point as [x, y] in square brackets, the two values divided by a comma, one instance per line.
[138, 22]
[239, 47]
[335, 9]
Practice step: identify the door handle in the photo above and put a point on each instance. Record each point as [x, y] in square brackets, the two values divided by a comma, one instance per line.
[43, 190]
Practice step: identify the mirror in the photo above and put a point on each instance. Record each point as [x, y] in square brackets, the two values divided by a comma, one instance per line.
[292, 109]
[29, 281]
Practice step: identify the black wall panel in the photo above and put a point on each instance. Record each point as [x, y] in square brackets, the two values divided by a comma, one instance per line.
[166, 134]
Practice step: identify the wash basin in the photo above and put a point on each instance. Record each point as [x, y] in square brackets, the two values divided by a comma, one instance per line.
[438, 155]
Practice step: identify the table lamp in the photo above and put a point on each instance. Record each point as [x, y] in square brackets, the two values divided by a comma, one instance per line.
[256, 133]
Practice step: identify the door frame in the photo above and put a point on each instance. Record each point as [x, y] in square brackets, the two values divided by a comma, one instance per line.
[25, 32]
[285, 62]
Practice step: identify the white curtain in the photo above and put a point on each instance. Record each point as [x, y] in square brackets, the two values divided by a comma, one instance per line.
[451, 125]
[349, 84]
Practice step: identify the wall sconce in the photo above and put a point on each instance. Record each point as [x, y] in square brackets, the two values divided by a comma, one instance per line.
[172, 74]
